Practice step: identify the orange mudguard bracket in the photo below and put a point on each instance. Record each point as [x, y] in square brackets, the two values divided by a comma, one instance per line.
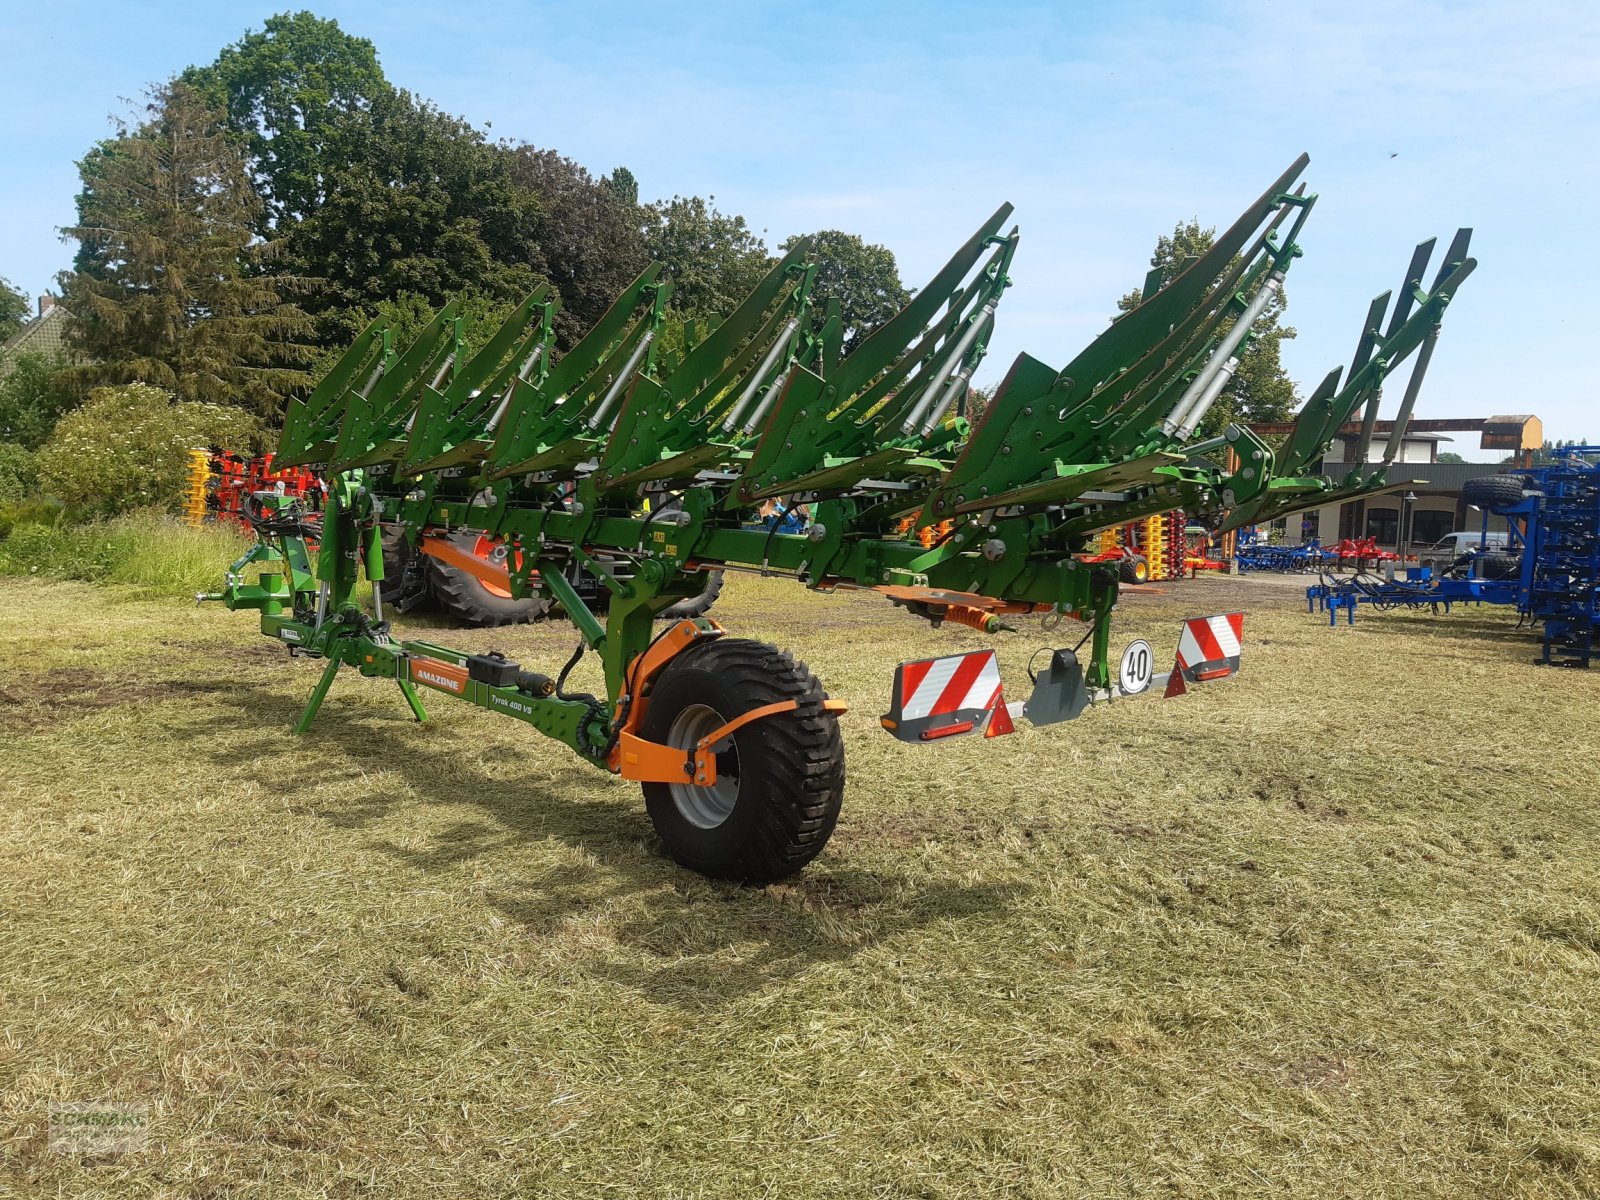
[651, 762]
[447, 552]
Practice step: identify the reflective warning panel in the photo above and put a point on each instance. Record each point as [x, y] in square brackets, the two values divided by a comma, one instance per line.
[943, 697]
[1208, 648]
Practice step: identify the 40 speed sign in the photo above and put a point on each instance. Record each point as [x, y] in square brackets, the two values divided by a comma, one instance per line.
[1136, 669]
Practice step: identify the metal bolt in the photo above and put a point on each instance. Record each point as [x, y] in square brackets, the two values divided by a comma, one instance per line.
[817, 532]
[994, 549]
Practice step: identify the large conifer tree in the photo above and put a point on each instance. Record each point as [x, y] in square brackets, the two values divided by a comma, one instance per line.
[166, 288]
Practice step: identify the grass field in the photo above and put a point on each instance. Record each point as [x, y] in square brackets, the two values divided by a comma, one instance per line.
[1331, 928]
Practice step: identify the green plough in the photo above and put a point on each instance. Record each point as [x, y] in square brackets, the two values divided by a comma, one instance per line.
[647, 467]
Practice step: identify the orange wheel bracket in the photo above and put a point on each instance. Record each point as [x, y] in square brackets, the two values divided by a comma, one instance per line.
[651, 762]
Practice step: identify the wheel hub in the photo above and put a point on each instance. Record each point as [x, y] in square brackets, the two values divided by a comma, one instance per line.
[705, 807]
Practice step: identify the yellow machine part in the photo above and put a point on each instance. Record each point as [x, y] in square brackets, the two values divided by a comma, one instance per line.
[1153, 536]
[194, 495]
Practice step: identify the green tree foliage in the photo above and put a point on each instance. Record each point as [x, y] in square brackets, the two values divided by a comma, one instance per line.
[714, 260]
[976, 403]
[18, 473]
[1260, 389]
[864, 279]
[382, 198]
[587, 232]
[1547, 454]
[623, 186]
[417, 202]
[127, 447]
[1451, 457]
[165, 291]
[32, 398]
[14, 309]
[285, 89]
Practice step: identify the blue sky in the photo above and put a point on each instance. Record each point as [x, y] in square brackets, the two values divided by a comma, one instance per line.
[1103, 123]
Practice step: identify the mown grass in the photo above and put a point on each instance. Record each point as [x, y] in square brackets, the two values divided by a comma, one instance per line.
[1328, 929]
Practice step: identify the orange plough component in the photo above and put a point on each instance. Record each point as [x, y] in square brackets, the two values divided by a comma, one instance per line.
[493, 575]
[645, 761]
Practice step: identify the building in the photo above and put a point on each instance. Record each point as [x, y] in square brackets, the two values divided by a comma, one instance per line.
[45, 334]
[1430, 505]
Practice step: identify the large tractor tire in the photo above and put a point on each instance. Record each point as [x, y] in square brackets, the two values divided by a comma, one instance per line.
[697, 606]
[469, 599]
[405, 586]
[1133, 568]
[1499, 566]
[780, 779]
[1493, 492]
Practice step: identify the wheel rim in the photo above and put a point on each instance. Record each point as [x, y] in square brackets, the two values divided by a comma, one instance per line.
[1141, 572]
[704, 807]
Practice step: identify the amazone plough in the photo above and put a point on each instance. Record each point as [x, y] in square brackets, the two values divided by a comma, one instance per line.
[645, 467]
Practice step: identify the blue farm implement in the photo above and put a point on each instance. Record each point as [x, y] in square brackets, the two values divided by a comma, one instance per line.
[1549, 570]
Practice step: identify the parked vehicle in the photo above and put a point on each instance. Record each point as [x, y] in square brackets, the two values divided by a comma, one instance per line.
[1455, 551]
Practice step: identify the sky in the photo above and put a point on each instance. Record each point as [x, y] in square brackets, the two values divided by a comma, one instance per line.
[1103, 123]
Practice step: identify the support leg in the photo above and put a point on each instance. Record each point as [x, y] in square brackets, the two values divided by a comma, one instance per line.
[410, 693]
[318, 694]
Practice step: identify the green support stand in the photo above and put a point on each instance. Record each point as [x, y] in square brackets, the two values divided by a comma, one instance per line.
[410, 693]
[318, 695]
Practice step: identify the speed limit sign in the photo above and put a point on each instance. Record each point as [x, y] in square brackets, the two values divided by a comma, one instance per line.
[1137, 668]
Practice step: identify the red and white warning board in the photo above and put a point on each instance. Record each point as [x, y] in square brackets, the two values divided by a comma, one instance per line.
[946, 697]
[1208, 648]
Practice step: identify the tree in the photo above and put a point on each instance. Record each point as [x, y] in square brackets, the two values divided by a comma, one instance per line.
[714, 260]
[128, 447]
[32, 399]
[18, 477]
[1548, 454]
[623, 186]
[284, 89]
[163, 291]
[417, 202]
[1450, 457]
[587, 233]
[864, 279]
[14, 309]
[976, 403]
[1260, 389]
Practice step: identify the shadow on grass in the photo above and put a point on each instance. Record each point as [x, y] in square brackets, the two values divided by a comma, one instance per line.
[700, 942]
[699, 950]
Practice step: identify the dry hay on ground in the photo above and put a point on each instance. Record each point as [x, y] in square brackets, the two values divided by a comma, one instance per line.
[1326, 929]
